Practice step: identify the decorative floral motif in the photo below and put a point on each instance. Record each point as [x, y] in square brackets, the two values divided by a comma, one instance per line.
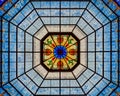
[60, 52]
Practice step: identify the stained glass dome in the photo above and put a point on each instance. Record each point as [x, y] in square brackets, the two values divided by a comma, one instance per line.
[59, 47]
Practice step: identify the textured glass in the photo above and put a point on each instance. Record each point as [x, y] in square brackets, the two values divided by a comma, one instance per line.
[59, 47]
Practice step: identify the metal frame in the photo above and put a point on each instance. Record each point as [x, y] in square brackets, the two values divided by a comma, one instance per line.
[33, 68]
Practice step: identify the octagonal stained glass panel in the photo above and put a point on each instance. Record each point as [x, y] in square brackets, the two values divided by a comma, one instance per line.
[60, 52]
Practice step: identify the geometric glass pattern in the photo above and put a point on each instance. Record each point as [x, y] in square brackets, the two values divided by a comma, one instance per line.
[60, 52]
[27, 25]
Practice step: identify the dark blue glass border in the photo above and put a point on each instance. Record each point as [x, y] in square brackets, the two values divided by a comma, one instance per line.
[117, 1]
[2, 2]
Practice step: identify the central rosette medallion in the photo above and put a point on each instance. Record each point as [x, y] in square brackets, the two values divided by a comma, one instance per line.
[60, 52]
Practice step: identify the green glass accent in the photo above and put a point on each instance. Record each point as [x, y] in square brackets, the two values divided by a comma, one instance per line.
[49, 41]
[70, 41]
[50, 62]
[70, 62]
